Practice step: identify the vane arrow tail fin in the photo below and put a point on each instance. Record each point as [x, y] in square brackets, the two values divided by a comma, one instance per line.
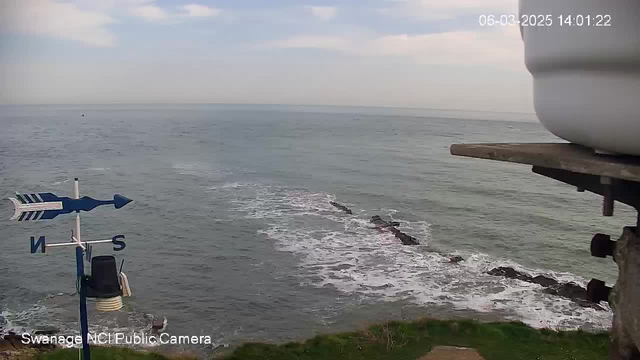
[17, 212]
[29, 207]
[20, 198]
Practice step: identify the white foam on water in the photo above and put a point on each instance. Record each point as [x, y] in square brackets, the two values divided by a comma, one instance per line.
[4, 323]
[60, 182]
[232, 185]
[100, 169]
[190, 169]
[18, 321]
[30, 319]
[199, 169]
[345, 253]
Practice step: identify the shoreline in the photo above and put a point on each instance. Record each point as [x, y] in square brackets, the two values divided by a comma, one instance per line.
[399, 340]
[404, 314]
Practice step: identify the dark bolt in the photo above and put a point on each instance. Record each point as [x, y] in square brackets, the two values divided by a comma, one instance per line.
[597, 291]
[602, 246]
[608, 202]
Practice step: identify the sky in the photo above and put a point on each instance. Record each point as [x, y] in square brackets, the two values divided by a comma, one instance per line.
[397, 53]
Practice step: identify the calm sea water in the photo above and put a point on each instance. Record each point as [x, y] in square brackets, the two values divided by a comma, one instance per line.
[231, 235]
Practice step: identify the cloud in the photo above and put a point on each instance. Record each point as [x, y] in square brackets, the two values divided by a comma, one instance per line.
[108, 5]
[499, 47]
[439, 10]
[61, 20]
[325, 13]
[150, 13]
[325, 42]
[154, 13]
[86, 21]
[195, 10]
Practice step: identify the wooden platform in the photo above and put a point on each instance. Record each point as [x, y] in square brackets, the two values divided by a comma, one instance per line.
[560, 156]
[452, 353]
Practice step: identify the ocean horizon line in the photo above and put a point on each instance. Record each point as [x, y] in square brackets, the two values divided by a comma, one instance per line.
[274, 105]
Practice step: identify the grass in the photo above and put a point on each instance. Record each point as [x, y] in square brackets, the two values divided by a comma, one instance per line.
[406, 340]
[410, 340]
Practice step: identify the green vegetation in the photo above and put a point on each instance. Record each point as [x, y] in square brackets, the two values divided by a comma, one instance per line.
[410, 340]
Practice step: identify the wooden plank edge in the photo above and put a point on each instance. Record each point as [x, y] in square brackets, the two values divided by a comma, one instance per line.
[583, 166]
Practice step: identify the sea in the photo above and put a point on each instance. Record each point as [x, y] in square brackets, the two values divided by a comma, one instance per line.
[231, 235]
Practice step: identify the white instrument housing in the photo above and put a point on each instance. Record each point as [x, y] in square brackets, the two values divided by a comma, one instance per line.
[586, 77]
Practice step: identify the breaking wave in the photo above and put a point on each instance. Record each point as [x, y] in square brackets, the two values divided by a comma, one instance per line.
[344, 252]
[53, 311]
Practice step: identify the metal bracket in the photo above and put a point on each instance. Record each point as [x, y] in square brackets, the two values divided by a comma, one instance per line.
[624, 191]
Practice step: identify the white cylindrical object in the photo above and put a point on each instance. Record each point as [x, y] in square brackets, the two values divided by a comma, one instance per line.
[84, 243]
[76, 195]
[76, 189]
[587, 77]
[110, 304]
[124, 285]
[77, 234]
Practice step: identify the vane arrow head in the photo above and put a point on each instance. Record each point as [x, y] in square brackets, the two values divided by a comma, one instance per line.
[120, 201]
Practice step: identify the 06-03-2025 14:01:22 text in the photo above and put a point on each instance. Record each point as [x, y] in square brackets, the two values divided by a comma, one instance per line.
[540, 20]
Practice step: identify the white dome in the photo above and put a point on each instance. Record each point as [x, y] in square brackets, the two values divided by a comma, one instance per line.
[587, 77]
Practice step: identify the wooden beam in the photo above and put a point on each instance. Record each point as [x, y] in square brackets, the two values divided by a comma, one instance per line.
[561, 156]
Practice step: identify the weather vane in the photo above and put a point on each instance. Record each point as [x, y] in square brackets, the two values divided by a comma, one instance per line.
[104, 283]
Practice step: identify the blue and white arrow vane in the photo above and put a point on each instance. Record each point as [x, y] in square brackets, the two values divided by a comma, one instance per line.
[43, 206]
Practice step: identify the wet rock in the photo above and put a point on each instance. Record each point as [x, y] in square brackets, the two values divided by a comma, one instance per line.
[544, 281]
[381, 224]
[341, 207]
[159, 325]
[407, 240]
[15, 340]
[589, 304]
[46, 330]
[568, 290]
[509, 273]
[377, 220]
[455, 259]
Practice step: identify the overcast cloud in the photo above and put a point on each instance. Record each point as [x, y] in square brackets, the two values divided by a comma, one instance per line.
[409, 53]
